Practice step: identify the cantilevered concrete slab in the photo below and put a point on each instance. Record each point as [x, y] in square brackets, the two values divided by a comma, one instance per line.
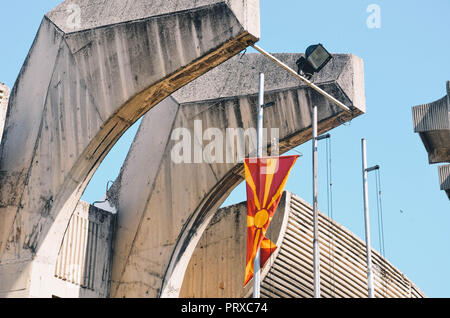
[217, 266]
[4, 97]
[95, 67]
[164, 206]
[444, 178]
[432, 123]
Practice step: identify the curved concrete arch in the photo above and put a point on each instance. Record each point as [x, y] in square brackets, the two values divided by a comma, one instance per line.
[86, 79]
[164, 207]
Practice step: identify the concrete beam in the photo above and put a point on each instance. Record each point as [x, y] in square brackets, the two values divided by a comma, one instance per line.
[95, 67]
[4, 97]
[432, 123]
[164, 206]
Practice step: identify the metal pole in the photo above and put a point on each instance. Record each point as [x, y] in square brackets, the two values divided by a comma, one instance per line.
[316, 251]
[303, 79]
[367, 219]
[315, 139]
[257, 261]
[260, 114]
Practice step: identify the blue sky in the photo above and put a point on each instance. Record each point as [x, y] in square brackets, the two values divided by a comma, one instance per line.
[406, 64]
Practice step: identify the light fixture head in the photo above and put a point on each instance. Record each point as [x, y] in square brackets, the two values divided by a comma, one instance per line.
[316, 57]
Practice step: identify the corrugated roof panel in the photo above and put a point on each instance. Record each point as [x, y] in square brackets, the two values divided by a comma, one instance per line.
[433, 116]
[444, 177]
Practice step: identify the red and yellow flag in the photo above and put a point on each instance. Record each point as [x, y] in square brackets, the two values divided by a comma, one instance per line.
[266, 178]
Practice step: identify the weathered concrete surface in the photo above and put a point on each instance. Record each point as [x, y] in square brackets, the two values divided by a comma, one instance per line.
[4, 97]
[432, 123]
[163, 207]
[216, 268]
[84, 257]
[99, 13]
[444, 179]
[79, 89]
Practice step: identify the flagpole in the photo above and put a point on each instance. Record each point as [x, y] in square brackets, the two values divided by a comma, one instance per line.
[257, 262]
[367, 219]
[316, 251]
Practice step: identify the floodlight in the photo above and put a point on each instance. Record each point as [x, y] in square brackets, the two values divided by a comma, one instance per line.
[316, 57]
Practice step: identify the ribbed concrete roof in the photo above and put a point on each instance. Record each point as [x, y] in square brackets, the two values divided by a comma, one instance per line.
[217, 266]
[444, 178]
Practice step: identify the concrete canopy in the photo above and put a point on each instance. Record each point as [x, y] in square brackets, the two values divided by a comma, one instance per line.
[432, 123]
[94, 68]
[164, 206]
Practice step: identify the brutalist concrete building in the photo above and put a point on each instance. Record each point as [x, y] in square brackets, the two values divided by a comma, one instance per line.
[175, 63]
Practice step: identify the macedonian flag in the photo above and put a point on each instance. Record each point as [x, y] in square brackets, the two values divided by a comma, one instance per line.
[266, 178]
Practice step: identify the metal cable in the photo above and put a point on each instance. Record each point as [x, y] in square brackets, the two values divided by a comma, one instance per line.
[380, 214]
[381, 227]
[380, 244]
[330, 213]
